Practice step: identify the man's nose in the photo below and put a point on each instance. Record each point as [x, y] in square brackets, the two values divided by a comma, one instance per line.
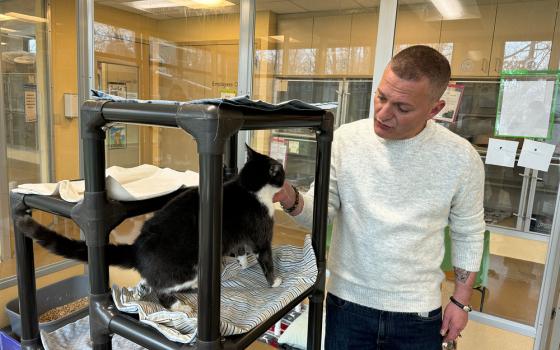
[384, 113]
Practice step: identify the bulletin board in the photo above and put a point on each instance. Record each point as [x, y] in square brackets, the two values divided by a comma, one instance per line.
[526, 104]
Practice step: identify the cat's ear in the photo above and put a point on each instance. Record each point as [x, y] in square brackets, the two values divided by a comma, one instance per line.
[251, 153]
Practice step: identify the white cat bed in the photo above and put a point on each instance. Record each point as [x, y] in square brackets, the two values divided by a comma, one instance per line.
[125, 184]
[247, 299]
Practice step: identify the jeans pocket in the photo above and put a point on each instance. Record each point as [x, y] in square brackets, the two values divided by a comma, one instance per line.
[336, 301]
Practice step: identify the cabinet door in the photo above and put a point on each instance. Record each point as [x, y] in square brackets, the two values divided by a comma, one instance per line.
[331, 40]
[417, 24]
[523, 35]
[362, 43]
[298, 58]
[555, 54]
[471, 40]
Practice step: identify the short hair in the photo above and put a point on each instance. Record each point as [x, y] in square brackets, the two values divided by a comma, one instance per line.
[418, 61]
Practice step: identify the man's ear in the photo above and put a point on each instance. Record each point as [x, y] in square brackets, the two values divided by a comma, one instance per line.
[436, 108]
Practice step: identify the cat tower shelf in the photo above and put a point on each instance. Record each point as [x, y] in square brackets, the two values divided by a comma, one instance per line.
[214, 125]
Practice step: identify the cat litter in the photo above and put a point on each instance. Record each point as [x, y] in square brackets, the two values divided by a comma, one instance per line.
[247, 299]
[64, 310]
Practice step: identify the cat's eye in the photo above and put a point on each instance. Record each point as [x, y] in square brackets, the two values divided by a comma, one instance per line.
[274, 169]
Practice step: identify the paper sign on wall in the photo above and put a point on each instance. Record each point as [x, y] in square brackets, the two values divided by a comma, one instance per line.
[279, 149]
[525, 106]
[536, 155]
[30, 102]
[501, 152]
[452, 97]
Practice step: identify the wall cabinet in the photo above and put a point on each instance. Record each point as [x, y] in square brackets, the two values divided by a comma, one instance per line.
[488, 38]
[471, 40]
[298, 57]
[331, 45]
[417, 24]
[523, 36]
[363, 36]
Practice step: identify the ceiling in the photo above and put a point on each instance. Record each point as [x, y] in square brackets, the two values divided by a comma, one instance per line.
[276, 6]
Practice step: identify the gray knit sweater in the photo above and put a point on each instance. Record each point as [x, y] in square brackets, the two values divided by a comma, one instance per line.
[391, 200]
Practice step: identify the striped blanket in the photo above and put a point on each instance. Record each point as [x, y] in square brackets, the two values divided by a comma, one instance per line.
[246, 300]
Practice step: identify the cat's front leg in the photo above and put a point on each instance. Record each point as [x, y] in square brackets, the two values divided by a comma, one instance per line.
[265, 260]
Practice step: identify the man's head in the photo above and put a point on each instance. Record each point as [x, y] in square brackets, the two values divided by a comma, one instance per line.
[409, 92]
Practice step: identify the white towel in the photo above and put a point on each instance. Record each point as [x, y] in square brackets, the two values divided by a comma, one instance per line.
[124, 184]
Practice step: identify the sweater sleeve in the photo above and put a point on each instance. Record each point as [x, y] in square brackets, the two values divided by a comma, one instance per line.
[466, 218]
[305, 218]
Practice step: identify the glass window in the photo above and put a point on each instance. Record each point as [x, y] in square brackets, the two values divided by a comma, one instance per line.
[25, 119]
[163, 50]
[314, 52]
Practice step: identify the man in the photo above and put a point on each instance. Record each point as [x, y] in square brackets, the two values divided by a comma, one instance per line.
[394, 187]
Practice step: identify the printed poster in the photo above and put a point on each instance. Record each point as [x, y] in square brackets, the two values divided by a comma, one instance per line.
[452, 97]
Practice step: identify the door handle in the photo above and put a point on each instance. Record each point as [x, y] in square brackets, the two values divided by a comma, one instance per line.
[497, 65]
[483, 65]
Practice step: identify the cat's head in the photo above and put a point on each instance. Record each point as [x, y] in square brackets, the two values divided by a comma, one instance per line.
[261, 170]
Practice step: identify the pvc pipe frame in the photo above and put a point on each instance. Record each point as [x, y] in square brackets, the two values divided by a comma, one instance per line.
[214, 130]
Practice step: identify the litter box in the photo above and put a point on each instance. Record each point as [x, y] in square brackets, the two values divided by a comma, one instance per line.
[50, 297]
[8, 343]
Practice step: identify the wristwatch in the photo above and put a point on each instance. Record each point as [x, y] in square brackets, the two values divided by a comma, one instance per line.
[466, 308]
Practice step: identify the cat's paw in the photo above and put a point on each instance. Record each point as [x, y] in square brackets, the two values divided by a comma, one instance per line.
[180, 307]
[141, 290]
[243, 261]
[277, 282]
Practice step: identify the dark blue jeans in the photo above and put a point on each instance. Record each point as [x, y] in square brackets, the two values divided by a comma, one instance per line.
[352, 326]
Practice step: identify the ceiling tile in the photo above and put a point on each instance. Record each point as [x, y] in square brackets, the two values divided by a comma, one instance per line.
[279, 7]
[327, 5]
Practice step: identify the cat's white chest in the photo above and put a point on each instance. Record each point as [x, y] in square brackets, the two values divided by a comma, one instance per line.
[265, 195]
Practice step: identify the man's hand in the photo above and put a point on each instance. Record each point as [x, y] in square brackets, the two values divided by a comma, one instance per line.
[287, 198]
[286, 195]
[454, 318]
[454, 321]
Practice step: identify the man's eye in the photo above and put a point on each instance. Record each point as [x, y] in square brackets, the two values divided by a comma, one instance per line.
[402, 110]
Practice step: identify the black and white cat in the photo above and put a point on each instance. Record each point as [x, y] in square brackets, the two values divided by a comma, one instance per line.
[166, 251]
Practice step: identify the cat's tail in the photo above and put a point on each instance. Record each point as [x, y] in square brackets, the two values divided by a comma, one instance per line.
[122, 255]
